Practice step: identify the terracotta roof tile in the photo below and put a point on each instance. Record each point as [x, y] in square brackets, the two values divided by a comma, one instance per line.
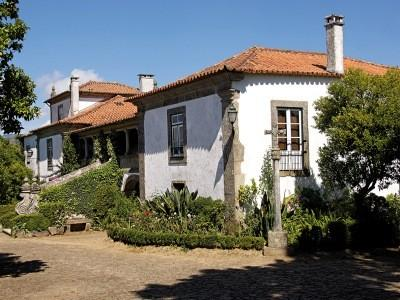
[259, 60]
[99, 87]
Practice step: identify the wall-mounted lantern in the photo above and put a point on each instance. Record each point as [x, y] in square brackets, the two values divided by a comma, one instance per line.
[232, 113]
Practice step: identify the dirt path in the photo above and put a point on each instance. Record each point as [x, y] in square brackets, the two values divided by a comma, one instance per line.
[90, 266]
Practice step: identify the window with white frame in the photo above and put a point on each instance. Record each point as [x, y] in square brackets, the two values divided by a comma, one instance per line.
[291, 117]
[290, 138]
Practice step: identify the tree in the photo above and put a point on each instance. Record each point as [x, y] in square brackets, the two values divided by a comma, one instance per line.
[13, 171]
[17, 96]
[70, 159]
[360, 118]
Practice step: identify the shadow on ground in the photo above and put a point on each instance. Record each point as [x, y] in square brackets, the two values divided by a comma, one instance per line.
[11, 265]
[339, 276]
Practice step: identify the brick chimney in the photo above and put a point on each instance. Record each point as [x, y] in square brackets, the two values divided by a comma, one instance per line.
[334, 43]
[74, 89]
[147, 82]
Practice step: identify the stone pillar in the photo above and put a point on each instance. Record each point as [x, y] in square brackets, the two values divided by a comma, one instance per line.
[127, 142]
[232, 156]
[86, 149]
[277, 238]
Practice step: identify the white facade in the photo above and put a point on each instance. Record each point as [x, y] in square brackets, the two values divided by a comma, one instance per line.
[84, 102]
[256, 94]
[44, 171]
[31, 153]
[204, 169]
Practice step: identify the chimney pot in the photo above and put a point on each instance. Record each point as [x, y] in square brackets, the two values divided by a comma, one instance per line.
[334, 43]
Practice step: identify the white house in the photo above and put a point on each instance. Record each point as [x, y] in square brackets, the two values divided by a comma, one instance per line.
[89, 104]
[186, 137]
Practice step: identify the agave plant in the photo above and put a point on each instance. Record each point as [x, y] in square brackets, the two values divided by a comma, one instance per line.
[173, 204]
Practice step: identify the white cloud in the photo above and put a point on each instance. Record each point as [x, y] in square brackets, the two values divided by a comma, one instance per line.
[61, 81]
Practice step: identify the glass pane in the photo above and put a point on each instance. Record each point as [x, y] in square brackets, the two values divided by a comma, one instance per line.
[281, 116]
[179, 118]
[295, 144]
[282, 143]
[282, 127]
[295, 130]
[180, 135]
[294, 116]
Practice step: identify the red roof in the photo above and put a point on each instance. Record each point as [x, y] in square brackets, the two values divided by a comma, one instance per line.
[99, 87]
[259, 60]
[112, 110]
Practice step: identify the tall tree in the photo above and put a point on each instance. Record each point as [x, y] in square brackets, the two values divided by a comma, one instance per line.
[361, 119]
[13, 171]
[17, 98]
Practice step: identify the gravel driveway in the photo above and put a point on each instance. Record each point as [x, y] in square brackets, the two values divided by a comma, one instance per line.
[90, 266]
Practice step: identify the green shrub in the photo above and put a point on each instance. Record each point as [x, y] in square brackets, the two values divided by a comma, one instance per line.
[70, 158]
[32, 222]
[337, 235]
[13, 171]
[207, 215]
[79, 193]
[299, 226]
[189, 240]
[6, 219]
[55, 212]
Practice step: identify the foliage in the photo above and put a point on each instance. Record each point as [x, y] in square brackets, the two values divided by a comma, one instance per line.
[306, 230]
[360, 119]
[13, 171]
[207, 215]
[173, 205]
[32, 222]
[55, 212]
[377, 223]
[70, 158]
[79, 193]
[7, 217]
[17, 96]
[188, 240]
[97, 155]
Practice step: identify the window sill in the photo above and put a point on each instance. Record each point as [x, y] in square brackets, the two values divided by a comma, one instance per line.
[177, 161]
[294, 173]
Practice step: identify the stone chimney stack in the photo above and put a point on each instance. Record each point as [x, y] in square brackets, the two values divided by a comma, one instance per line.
[334, 43]
[53, 92]
[147, 82]
[74, 89]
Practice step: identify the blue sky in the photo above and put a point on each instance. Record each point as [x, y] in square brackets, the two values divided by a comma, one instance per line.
[116, 40]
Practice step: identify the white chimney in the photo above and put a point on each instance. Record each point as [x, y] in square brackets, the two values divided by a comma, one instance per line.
[147, 82]
[74, 89]
[334, 43]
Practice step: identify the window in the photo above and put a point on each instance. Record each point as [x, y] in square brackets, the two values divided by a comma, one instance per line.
[177, 135]
[178, 185]
[291, 120]
[60, 112]
[49, 154]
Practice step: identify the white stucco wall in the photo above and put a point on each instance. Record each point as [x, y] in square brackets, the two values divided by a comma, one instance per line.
[30, 141]
[84, 102]
[57, 155]
[54, 109]
[204, 169]
[256, 93]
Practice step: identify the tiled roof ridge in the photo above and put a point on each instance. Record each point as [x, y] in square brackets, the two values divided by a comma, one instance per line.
[90, 82]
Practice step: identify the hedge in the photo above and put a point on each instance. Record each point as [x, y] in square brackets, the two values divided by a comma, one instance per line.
[32, 222]
[189, 240]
